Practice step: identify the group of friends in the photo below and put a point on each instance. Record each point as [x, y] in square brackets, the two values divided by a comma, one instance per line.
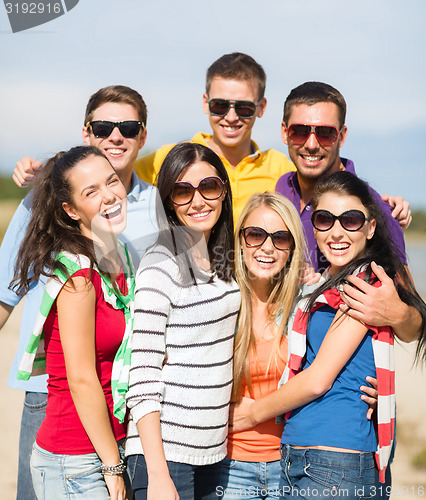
[192, 348]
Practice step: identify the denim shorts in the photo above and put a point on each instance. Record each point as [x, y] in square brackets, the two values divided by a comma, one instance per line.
[192, 482]
[65, 477]
[249, 480]
[312, 473]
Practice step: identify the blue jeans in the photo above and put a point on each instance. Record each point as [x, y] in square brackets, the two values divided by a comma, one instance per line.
[312, 473]
[192, 482]
[32, 416]
[249, 480]
[66, 477]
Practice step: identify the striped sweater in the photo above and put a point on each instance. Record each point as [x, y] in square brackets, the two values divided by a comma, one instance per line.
[182, 359]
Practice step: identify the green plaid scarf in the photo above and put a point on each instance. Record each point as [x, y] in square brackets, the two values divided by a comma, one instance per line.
[34, 359]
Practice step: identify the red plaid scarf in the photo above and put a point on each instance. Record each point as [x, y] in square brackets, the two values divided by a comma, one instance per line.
[382, 342]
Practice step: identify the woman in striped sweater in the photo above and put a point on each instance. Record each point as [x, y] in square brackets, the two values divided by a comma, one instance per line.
[328, 443]
[186, 305]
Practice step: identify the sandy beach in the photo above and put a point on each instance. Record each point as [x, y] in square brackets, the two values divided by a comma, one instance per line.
[408, 482]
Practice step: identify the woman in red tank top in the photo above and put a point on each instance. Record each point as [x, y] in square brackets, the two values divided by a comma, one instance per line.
[79, 207]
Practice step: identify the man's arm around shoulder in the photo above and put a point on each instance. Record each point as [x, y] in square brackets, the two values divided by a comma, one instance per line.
[148, 166]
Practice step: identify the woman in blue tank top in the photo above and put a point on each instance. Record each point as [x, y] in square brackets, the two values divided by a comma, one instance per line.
[328, 443]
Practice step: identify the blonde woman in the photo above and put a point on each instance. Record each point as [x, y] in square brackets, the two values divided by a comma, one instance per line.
[270, 257]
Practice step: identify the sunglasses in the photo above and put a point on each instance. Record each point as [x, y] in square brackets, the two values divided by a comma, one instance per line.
[210, 188]
[103, 129]
[243, 109]
[351, 220]
[256, 237]
[326, 135]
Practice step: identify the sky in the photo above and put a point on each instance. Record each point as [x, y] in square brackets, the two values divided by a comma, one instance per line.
[372, 51]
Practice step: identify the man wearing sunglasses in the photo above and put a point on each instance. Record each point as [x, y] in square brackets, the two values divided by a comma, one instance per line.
[314, 130]
[234, 98]
[114, 122]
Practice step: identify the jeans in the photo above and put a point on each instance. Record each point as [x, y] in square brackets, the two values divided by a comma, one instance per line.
[249, 480]
[67, 477]
[192, 482]
[32, 416]
[312, 473]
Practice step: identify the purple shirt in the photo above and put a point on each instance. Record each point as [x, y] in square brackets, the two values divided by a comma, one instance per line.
[288, 185]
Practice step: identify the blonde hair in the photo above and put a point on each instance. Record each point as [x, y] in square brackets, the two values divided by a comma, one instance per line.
[283, 290]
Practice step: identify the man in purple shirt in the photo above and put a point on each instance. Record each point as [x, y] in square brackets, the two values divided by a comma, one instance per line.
[314, 130]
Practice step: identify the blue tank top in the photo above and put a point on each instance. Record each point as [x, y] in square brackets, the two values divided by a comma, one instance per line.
[338, 418]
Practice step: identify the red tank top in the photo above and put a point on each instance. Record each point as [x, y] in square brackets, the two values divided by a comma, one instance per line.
[62, 431]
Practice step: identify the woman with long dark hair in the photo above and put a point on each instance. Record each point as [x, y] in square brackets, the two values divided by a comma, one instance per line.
[328, 443]
[79, 208]
[186, 305]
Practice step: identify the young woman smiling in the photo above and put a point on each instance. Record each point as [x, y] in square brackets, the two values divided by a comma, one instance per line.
[328, 443]
[79, 207]
[269, 262]
[186, 305]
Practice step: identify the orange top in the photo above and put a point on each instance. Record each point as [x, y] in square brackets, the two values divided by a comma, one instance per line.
[260, 443]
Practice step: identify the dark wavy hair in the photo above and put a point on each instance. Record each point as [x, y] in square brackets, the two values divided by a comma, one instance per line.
[379, 249]
[50, 229]
[221, 241]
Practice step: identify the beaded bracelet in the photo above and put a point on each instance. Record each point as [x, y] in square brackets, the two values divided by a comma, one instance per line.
[113, 470]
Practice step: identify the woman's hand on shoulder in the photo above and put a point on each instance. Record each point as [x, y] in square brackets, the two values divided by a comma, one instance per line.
[116, 487]
[240, 415]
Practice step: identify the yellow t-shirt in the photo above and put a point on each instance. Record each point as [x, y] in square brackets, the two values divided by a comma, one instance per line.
[256, 173]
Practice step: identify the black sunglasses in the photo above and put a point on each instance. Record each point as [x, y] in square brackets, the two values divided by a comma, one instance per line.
[243, 109]
[326, 135]
[103, 129]
[210, 188]
[351, 220]
[256, 237]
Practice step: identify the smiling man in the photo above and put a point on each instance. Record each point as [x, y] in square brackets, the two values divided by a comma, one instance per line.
[115, 122]
[234, 98]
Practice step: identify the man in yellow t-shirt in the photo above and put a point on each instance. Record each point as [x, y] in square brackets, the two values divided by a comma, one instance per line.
[234, 98]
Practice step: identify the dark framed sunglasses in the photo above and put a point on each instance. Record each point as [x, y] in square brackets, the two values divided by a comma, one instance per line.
[210, 188]
[243, 109]
[326, 135]
[256, 237]
[103, 129]
[351, 220]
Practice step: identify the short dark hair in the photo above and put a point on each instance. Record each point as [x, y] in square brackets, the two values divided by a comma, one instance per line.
[221, 241]
[119, 94]
[237, 66]
[311, 93]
